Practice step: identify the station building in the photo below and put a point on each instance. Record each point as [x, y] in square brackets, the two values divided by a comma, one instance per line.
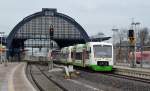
[34, 31]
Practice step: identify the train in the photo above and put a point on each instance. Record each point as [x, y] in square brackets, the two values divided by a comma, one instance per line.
[98, 56]
[143, 57]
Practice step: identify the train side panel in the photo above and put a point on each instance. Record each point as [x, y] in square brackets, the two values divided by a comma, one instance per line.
[95, 55]
[78, 55]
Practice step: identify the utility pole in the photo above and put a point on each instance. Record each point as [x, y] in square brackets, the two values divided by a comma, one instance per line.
[142, 44]
[114, 30]
[132, 47]
[51, 33]
[133, 40]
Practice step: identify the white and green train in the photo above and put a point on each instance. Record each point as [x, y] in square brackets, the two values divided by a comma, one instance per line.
[96, 55]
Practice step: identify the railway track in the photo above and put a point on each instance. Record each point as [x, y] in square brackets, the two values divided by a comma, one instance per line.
[138, 73]
[128, 77]
[106, 81]
[37, 81]
[113, 74]
[64, 89]
[116, 81]
[29, 67]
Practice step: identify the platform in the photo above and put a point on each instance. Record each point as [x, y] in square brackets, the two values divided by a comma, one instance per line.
[135, 72]
[134, 69]
[13, 78]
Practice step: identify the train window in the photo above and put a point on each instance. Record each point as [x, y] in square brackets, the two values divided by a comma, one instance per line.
[78, 56]
[102, 51]
[90, 50]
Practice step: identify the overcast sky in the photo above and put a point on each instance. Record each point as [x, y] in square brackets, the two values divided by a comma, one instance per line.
[93, 15]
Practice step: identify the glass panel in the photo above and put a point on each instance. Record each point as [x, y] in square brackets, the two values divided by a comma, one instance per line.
[102, 51]
[38, 28]
[78, 56]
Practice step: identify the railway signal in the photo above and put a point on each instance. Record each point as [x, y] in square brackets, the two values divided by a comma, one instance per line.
[131, 37]
[132, 43]
[51, 31]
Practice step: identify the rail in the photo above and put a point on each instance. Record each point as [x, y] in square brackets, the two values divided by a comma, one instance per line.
[32, 78]
[133, 72]
[36, 83]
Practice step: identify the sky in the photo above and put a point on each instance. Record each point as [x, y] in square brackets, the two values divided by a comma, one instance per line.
[93, 15]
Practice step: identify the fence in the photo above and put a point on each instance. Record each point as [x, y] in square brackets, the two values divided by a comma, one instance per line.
[122, 55]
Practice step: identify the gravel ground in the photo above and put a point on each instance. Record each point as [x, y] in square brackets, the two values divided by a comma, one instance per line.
[69, 84]
[88, 81]
[114, 82]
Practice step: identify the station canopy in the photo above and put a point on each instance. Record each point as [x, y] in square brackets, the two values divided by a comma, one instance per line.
[34, 31]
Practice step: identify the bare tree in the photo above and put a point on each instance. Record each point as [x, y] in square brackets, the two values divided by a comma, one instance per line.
[122, 38]
[143, 35]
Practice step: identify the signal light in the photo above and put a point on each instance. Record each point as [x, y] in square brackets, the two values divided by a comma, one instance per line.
[51, 31]
[131, 33]
[131, 37]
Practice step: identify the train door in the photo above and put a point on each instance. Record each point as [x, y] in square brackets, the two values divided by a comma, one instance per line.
[83, 57]
[73, 56]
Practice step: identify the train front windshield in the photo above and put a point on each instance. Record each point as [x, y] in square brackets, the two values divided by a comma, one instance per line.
[102, 51]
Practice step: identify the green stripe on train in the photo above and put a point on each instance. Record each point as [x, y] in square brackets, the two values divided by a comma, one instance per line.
[101, 68]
